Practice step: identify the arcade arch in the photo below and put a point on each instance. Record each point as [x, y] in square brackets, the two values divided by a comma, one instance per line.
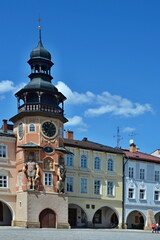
[135, 220]
[76, 216]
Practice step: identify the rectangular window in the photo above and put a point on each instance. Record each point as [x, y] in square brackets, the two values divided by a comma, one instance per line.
[142, 173]
[157, 176]
[3, 181]
[157, 195]
[131, 193]
[110, 188]
[142, 194]
[3, 151]
[97, 187]
[48, 179]
[83, 185]
[69, 160]
[97, 163]
[69, 182]
[130, 172]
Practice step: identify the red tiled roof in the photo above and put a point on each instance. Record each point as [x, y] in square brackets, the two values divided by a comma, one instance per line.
[141, 156]
[85, 144]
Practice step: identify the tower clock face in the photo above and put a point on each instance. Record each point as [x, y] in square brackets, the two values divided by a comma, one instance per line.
[20, 130]
[49, 129]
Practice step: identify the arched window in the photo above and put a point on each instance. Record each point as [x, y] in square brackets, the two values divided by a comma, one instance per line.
[110, 165]
[97, 163]
[32, 127]
[83, 161]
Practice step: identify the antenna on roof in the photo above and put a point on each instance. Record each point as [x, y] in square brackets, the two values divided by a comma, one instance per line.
[118, 136]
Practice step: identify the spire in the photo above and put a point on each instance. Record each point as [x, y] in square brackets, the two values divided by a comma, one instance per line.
[39, 28]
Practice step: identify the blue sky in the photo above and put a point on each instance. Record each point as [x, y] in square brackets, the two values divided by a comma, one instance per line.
[107, 64]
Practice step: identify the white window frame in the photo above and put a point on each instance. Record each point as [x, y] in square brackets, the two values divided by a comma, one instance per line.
[141, 173]
[70, 160]
[31, 127]
[3, 181]
[158, 195]
[97, 163]
[133, 189]
[84, 162]
[97, 188]
[110, 164]
[48, 179]
[112, 188]
[69, 184]
[83, 185]
[142, 194]
[131, 172]
[3, 151]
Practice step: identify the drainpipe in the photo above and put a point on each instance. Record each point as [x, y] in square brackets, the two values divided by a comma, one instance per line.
[123, 190]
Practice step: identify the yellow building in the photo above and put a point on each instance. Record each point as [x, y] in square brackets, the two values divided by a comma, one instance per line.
[94, 183]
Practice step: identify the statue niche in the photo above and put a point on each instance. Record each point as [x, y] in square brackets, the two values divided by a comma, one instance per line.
[31, 169]
[48, 164]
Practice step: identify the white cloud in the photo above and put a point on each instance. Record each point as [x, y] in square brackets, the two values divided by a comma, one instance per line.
[6, 86]
[104, 103]
[74, 97]
[75, 121]
[117, 105]
[128, 129]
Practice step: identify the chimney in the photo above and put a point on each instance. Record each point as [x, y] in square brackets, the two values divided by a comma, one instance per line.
[133, 148]
[5, 128]
[69, 134]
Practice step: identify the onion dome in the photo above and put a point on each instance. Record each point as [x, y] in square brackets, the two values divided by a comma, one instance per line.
[40, 52]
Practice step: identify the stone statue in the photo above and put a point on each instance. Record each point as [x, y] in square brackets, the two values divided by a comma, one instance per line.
[31, 169]
[62, 176]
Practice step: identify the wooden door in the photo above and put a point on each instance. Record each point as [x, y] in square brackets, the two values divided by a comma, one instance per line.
[72, 217]
[47, 219]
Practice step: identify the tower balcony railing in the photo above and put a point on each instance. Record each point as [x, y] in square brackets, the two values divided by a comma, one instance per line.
[28, 107]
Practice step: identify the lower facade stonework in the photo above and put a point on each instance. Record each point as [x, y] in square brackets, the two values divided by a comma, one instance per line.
[41, 209]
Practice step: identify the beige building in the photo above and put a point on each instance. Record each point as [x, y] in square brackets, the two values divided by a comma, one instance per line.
[94, 183]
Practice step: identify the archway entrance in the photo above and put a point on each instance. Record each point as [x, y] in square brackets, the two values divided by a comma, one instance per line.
[76, 216]
[157, 218]
[5, 215]
[105, 217]
[47, 218]
[135, 220]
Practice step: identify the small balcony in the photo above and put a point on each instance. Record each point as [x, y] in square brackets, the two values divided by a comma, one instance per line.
[39, 107]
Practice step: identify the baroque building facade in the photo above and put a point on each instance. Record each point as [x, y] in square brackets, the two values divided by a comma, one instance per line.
[32, 171]
[141, 189]
[94, 183]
